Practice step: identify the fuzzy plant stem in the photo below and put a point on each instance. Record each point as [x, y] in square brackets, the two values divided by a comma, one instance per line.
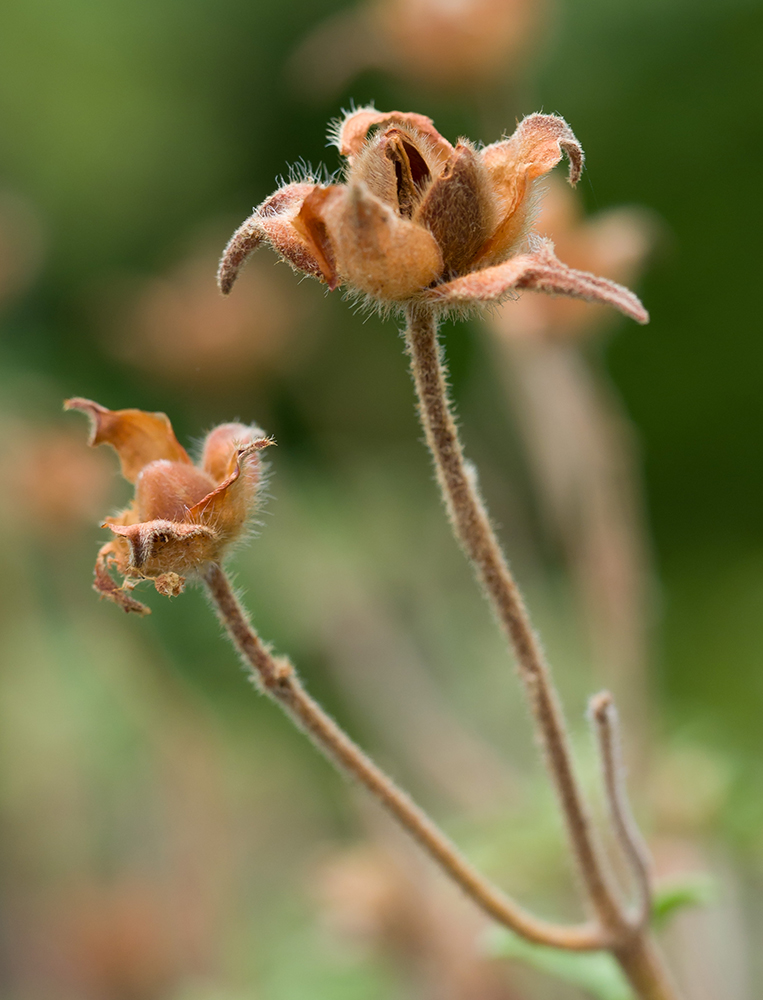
[475, 534]
[275, 677]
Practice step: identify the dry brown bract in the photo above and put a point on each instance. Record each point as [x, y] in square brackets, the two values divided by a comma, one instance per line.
[421, 221]
[183, 517]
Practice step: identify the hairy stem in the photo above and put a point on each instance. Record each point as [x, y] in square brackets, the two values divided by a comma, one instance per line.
[475, 534]
[276, 678]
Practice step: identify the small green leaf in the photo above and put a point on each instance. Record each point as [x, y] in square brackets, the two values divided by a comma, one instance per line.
[696, 889]
[594, 971]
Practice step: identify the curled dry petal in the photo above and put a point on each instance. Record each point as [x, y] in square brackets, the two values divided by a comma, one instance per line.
[105, 585]
[351, 134]
[274, 222]
[537, 145]
[240, 246]
[137, 437]
[540, 271]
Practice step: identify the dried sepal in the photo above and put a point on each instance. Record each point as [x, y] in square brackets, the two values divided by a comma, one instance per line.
[540, 271]
[162, 546]
[351, 134]
[418, 220]
[536, 147]
[240, 247]
[227, 507]
[167, 490]
[106, 586]
[183, 517]
[137, 437]
[458, 209]
[378, 252]
[272, 222]
[310, 224]
[221, 447]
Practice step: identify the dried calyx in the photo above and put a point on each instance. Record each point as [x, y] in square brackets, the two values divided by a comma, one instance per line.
[421, 221]
[184, 517]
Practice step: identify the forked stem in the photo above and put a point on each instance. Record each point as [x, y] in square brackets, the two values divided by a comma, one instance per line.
[604, 720]
[275, 677]
[471, 525]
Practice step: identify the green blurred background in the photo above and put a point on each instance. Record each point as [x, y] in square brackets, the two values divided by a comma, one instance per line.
[164, 833]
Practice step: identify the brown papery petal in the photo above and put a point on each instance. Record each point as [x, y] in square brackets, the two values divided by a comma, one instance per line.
[539, 142]
[137, 437]
[540, 271]
[353, 131]
[311, 226]
[378, 252]
[459, 209]
[168, 490]
[537, 145]
[218, 457]
[227, 508]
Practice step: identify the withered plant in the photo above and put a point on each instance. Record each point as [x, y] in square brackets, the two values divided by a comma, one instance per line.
[421, 228]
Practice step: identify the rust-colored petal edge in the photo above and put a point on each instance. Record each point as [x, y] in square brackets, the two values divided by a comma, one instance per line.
[138, 437]
[539, 271]
[228, 504]
[350, 134]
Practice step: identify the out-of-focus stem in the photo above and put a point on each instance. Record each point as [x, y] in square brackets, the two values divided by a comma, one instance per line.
[276, 678]
[605, 723]
[582, 454]
[472, 528]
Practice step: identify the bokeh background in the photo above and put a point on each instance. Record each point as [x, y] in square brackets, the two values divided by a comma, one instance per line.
[164, 833]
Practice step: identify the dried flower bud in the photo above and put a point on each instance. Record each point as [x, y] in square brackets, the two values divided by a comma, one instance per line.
[161, 325]
[421, 221]
[183, 516]
[452, 45]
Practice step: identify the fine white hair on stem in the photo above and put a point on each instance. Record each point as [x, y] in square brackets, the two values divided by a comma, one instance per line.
[606, 726]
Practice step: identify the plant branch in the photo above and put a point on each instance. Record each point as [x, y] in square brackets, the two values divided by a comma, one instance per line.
[605, 721]
[275, 677]
[632, 948]
[476, 536]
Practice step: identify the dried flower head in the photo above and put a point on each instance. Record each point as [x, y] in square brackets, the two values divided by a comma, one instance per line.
[162, 325]
[452, 45]
[421, 221]
[183, 516]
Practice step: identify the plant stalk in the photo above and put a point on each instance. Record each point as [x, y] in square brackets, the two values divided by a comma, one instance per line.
[275, 677]
[475, 534]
